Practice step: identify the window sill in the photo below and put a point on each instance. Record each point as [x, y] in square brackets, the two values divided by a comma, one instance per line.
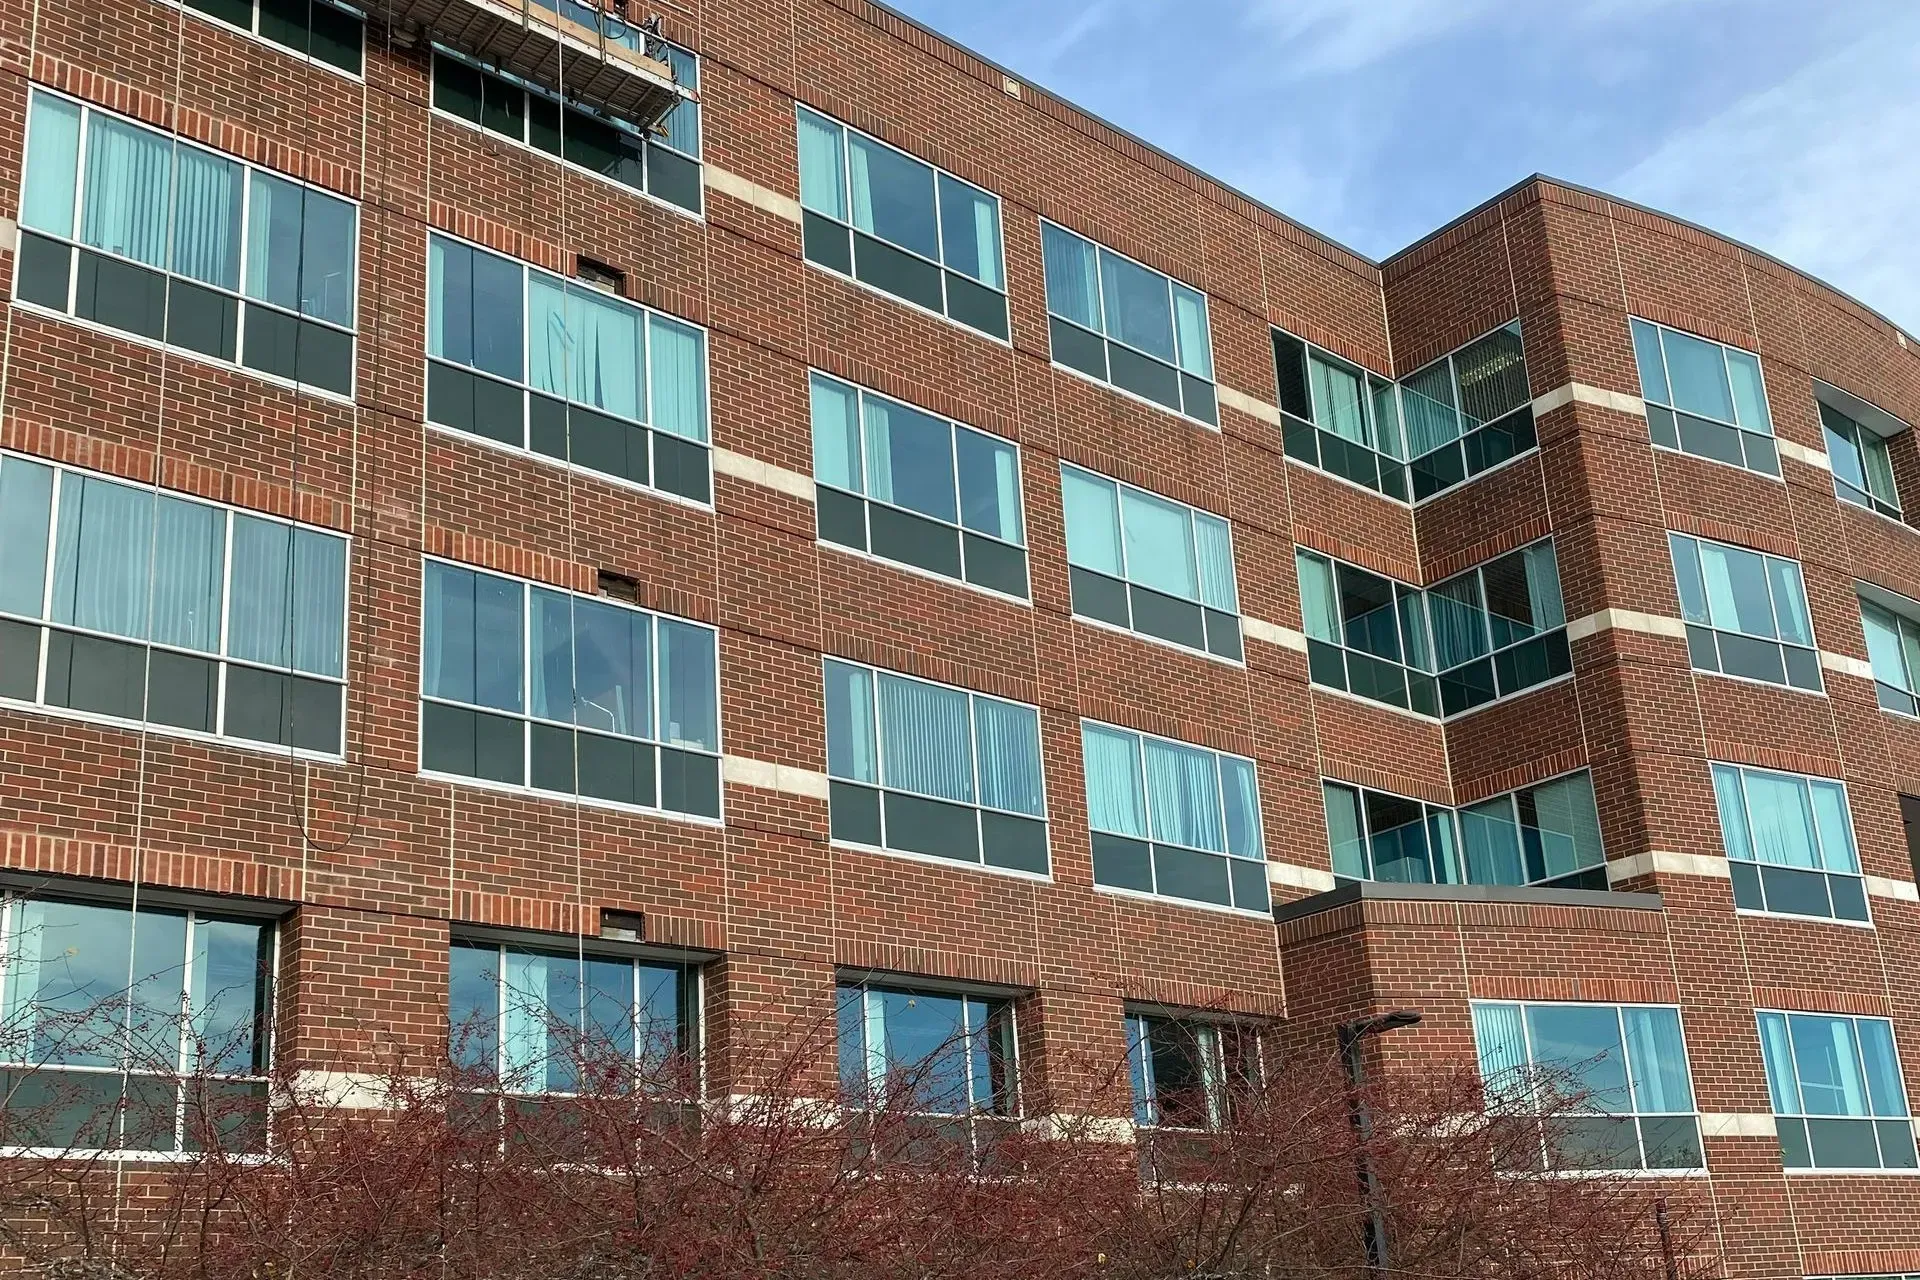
[1760, 684]
[1781, 479]
[585, 473]
[1407, 712]
[1866, 925]
[911, 305]
[585, 802]
[1137, 398]
[304, 754]
[934, 860]
[1102, 625]
[927, 574]
[1851, 1173]
[1161, 899]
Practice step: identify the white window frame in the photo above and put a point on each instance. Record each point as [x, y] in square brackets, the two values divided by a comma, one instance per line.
[254, 35]
[1793, 1057]
[1819, 841]
[1771, 433]
[1773, 608]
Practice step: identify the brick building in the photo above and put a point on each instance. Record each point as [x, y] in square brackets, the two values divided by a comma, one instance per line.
[887, 530]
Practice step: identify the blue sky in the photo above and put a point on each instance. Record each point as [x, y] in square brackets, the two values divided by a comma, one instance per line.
[1793, 125]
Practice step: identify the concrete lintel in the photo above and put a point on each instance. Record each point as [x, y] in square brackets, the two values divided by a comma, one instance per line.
[747, 191]
[768, 776]
[765, 474]
[1711, 866]
[1273, 633]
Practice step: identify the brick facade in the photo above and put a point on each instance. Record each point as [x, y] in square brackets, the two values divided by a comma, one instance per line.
[375, 864]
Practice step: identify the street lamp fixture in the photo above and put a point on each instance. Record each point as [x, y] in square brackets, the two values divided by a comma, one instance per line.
[1351, 1036]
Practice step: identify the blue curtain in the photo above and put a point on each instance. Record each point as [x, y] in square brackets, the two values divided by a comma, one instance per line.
[1658, 1057]
[1500, 1036]
[1007, 740]
[823, 168]
[1116, 803]
[1160, 551]
[689, 686]
[925, 743]
[1092, 508]
[189, 572]
[850, 752]
[1214, 549]
[610, 351]
[1778, 1054]
[1073, 276]
[206, 217]
[53, 145]
[26, 505]
[679, 378]
[836, 434]
[1183, 791]
[129, 179]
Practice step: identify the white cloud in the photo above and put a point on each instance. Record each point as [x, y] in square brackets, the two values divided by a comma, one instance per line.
[1818, 169]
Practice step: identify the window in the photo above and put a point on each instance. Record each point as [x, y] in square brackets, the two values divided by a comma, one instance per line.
[236, 265]
[533, 1021]
[918, 767]
[1838, 1100]
[1704, 398]
[1893, 643]
[875, 213]
[663, 163]
[1366, 635]
[560, 369]
[1173, 820]
[118, 600]
[1610, 1080]
[568, 695]
[1113, 319]
[927, 1052]
[1468, 412]
[1746, 613]
[133, 1031]
[318, 29]
[1789, 844]
[1499, 628]
[1548, 834]
[1862, 467]
[916, 488]
[1340, 418]
[1149, 564]
[1187, 1073]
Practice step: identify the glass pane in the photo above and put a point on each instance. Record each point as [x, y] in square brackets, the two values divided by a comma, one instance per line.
[689, 686]
[1493, 377]
[1835, 827]
[1737, 595]
[1883, 646]
[1568, 825]
[124, 209]
[612, 667]
[677, 381]
[300, 250]
[472, 637]
[1116, 801]
[893, 196]
[989, 485]
[67, 967]
[1093, 521]
[1367, 605]
[1319, 611]
[922, 1045]
[26, 497]
[1687, 579]
[970, 231]
[287, 585]
[1339, 399]
[53, 145]
[1699, 376]
[1789, 601]
[1778, 1054]
[1492, 839]
[1731, 803]
[232, 969]
[473, 1007]
[189, 569]
[1215, 551]
[1580, 1045]
[1160, 551]
[1781, 815]
[1509, 600]
[206, 217]
[1344, 836]
[823, 174]
[1007, 742]
[1646, 356]
[1183, 790]
[1139, 306]
[850, 752]
[1459, 623]
[1828, 1065]
[1887, 1095]
[1190, 325]
[909, 458]
[102, 555]
[836, 434]
[1073, 276]
[926, 739]
[1242, 795]
[1397, 838]
[1749, 393]
[1659, 1060]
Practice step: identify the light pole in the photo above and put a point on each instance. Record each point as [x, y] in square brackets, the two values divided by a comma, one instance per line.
[1351, 1034]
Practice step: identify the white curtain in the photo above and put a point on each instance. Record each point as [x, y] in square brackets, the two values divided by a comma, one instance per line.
[1160, 551]
[1492, 836]
[823, 172]
[1073, 276]
[1830, 818]
[679, 378]
[860, 183]
[1500, 1036]
[1459, 621]
[876, 421]
[1242, 795]
[1183, 789]
[1093, 521]
[26, 503]
[1781, 1081]
[850, 752]
[925, 743]
[836, 434]
[1658, 1057]
[689, 686]
[1319, 607]
[206, 217]
[1116, 802]
[1214, 547]
[53, 145]
[1007, 741]
[1426, 401]
[102, 551]
[288, 597]
[1339, 400]
[128, 187]
[1731, 802]
[1883, 646]
[1190, 330]
[1543, 587]
[1781, 817]
[609, 353]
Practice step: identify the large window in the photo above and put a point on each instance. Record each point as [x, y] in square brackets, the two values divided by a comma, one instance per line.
[1173, 820]
[1188, 1073]
[532, 687]
[875, 213]
[1893, 643]
[1547, 834]
[1704, 398]
[1150, 564]
[1468, 412]
[1838, 1100]
[1113, 319]
[927, 1052]
[119, 600]
[664, 163]
[1499, 628]
[1862, 467]
[1340, 418]
[924, 768]
[132, 1031]
[333, 34]
[916, 488]
[1611, 1082]
[564, 370]
[532, 1020]
[1366, 635]
[137, 230]
[1746, 613]
[1789, 843]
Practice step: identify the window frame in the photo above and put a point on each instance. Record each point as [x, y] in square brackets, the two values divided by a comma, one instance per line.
[1804, 1117]
[1905, 618]
[1209, 1035]
[266, 1034]
[1212, 380]
[1863, 418]
[1153, 845]
[1001, 1022]
[527, 719]
[1120, 489]
[1817, 839]
[1558, 654]
[76, 247]
[980, 809]
[962, 531]
[1531, 1065]
[1305, 439]
[47, 627]
[1409, 670]
[1674, 412]
[357, 77]
[1459, 442]
[1003, 290]
[529, 393]
[529, 89]
[1714, 631]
